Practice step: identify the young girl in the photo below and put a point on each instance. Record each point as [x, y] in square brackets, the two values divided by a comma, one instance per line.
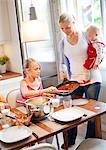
[94, 51]
[31, 85]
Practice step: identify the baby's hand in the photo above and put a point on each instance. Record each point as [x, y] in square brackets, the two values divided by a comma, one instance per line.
[95, 66]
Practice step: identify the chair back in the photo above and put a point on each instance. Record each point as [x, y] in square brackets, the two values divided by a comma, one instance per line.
[41, 146]
[92, 144]
[12, 96]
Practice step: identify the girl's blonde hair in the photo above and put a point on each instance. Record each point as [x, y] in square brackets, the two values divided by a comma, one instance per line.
[27, 65]
[66, 18]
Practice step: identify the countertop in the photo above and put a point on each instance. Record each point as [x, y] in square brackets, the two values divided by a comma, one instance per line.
[9, 75]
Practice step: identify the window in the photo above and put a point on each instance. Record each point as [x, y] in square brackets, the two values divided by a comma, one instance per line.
[89, 12]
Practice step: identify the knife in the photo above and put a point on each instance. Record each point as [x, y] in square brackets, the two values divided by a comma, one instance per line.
[35, 135]
[12, 117]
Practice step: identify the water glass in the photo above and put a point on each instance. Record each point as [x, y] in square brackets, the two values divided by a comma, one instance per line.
[67, 101]
[55, 102]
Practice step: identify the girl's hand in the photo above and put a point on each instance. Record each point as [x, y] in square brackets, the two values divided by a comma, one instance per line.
[49, 95]
[51, 89]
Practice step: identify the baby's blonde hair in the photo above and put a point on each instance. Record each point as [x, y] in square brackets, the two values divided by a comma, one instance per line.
[93, 28]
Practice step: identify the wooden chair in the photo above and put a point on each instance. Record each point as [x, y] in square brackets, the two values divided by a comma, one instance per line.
[92, 144]
[41, 146]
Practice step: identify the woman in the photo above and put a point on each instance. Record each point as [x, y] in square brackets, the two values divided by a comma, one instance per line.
[31, 85]
[73, 53]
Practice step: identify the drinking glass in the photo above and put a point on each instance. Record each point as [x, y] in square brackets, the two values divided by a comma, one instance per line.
[67, 101]
[55, 102]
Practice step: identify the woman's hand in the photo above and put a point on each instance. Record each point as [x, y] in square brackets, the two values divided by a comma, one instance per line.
[83, 82]
[63, 76]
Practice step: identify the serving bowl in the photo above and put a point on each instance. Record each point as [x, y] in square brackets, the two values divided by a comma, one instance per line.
[39, 108]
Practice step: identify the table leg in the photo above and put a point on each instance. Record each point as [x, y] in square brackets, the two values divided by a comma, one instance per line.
[98, 127]
[65, 137]
[57, 142]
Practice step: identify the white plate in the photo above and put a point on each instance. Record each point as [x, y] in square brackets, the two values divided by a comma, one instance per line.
[15, 134]
[68, 114]
[78, 102]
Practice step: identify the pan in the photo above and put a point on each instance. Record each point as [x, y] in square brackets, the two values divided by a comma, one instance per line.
[66, 88]
[67, 85]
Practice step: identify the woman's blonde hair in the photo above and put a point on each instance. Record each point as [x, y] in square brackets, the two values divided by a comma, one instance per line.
[66, 18]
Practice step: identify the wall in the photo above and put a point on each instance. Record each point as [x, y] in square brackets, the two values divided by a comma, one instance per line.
[4, 22]
[12, 50]
[12, 47]
[2, 50]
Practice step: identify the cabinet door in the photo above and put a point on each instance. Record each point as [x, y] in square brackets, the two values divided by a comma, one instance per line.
[4, 22]
[9, 84]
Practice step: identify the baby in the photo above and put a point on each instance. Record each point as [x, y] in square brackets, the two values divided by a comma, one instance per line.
[94, 51]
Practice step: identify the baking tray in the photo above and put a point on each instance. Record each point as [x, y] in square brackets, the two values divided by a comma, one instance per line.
[68, 86]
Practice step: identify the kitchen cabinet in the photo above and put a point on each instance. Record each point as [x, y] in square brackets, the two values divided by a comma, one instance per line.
[9, 84]
[9, 39]
[4, 22]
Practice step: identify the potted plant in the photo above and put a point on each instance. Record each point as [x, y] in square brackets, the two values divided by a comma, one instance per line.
[3, 63]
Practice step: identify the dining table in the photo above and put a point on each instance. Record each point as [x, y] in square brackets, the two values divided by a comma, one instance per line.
[47, 128]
